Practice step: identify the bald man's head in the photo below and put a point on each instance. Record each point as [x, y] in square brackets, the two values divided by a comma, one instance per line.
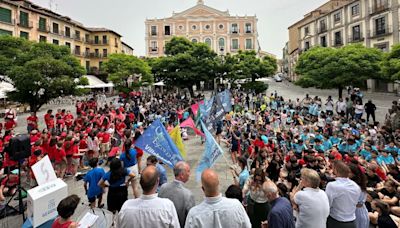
[149, 180]
[210, 183]
[271, 190]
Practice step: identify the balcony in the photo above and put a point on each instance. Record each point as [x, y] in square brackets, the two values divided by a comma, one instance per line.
[96, 55]
[235, 31]
[98, 42]
[249, 31]
[381, 32]
[10, 22]
[77, 52]
[43, 29]
[379, 8]
[153, 49]
[78, 38]
[153, 33]
[321, 29]
[57, 32]
[356, 38]
[25, 24]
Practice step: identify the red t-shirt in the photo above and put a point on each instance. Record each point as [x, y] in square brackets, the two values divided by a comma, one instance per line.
[59, 155]
[69, 119]
[32, 121]
[8, 162]
[105, 137]
[47, 118]
[9, 124]
[113, 152]
[52, 150]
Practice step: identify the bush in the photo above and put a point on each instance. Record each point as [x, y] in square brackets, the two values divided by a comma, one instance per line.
[258, 87]
[305, 82]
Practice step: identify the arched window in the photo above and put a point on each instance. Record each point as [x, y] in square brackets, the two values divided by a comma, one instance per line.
[208, 41]
[221, 43]
[194, 40]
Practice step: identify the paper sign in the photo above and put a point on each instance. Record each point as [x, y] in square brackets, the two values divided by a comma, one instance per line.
[88, 220]
[43, 171]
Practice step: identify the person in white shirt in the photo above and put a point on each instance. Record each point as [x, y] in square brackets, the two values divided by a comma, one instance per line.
[216, 211]
[149, 210]
[311, 202]
[343, 197]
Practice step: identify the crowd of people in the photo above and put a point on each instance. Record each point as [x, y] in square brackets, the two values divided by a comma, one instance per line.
[295, 163]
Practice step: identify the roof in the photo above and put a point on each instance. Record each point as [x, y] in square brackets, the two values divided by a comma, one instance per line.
[125, 44]
[95, 82]
[102, 30]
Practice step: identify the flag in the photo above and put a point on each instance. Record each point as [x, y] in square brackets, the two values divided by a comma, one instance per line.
[177, 139]
[217, 113]
[212, 152]
[190, 123]
[225, 98]
[156, 141]
[195, 108]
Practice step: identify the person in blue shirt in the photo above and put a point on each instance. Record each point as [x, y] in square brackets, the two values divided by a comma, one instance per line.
[92, 178]
[152, 160]
[366, 153]
[319, 147]
[299, 147]
[349, 147]
[334, 139]
[129, 160]
[244, 173]
[386, 158]
[115, 180]
[327, 143]
[392, 148]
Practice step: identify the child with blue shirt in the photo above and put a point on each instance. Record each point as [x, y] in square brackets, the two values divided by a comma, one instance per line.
[92, 179]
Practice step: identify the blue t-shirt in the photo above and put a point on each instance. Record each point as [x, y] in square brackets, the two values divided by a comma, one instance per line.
[392, 149]
[163, 174]
[243, 176]
[327, 144]
[117, 183]
[388, 160]
[365, 154]
[93, 177]
[132, 161]
[334, 140]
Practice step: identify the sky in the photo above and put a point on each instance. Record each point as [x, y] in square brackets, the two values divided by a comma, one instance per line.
[127, 17]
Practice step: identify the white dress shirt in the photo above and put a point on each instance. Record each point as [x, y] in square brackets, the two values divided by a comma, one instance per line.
[218, 212]
[313, 208]
[148, 211]
[343, 198]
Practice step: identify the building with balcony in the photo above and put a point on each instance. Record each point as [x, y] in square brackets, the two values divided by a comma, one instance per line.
[373, 23]
[221, 31]
[90, 45]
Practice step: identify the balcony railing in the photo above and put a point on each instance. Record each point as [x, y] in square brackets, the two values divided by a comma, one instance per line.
[235, 31]
[379, 8]
[356, 38]
[96, 55]
[77, 52]
[25, 24]
[153, 33]
[153, 49]
[249, 30]
[78, 38]
[11, 22]
[99, 42]
[321, 29]
[381, 32]
[43, 29]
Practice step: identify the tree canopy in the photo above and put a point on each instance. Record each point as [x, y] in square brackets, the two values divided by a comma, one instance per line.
[391, 64]
[336, 68]
[38, 71]
[122, 67]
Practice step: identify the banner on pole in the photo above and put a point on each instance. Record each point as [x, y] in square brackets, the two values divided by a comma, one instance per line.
[190, 123]
[177, 139]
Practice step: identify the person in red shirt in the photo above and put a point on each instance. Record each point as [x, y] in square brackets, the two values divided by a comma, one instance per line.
[32, 121]
[60, 123]
[8, 186]
[47, 118]
[75, 156]
[60, 159]
[104, 138]
[51, 123]
[115, 150]
[9, 124]
[120, 127]
[69, 119]
[51, 151]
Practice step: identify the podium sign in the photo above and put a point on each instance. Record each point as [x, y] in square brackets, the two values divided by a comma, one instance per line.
[43, 171]
[43, 201]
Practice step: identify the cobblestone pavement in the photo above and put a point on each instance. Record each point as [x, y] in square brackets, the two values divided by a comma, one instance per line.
[195, 149]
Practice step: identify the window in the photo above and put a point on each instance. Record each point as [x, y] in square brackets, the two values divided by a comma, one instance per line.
[67, 31]
[105, 39]
[180, 27]
[194, 27]
[221, 43]
[77, 35]
[77, 50]
[338, 38]
[306, 31]
[306, 45]
[153, 46]
[24, 35]
[235, 28]
[42, 24]
[5, 15]
[248, 28]
[87, 51]
[380, 26]
[322, 26]
[68, 44]
[355, 10]
[380, 5]
[5, 32]
[87, 37]
[323, 41]
[154, 30]
[221, 26]
[55, 28]
[208, 42]
[105, 53]
[42, 39]
[87, 66]
[235, 44]
[167, 30]
[207, 27]
[96, 52]
[23, 19]
[96, 39]
[337, 17]
[356, 33]
[194, 40]
[382, 46]
[249, 44]
[56, 42]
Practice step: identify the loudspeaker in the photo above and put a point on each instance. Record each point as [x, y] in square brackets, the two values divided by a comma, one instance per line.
[19, 147]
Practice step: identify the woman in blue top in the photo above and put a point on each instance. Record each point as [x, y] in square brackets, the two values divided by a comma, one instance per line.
[117, 186]
[128, 158]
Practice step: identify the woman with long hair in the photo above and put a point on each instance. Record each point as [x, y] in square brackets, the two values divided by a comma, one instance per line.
[358, 176]
[128, 158]
[381, 215]
[115, 180]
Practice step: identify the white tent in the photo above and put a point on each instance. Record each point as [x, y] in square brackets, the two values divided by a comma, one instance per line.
[95, 83]
[160, 83]
[4, 88]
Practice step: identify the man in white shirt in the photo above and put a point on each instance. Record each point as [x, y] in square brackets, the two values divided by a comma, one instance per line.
[343, 197]
[216, 211]
[312, 202]
[149, 210]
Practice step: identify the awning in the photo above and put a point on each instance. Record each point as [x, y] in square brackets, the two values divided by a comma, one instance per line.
[160, 83]
[4, 88]
[95, 83]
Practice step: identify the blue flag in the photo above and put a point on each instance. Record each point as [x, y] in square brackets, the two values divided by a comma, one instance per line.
[212, 152]
[156, 141]
[225, 98]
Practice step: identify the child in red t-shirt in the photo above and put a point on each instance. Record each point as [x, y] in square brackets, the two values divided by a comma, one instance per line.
[60, 159]
[115, 150]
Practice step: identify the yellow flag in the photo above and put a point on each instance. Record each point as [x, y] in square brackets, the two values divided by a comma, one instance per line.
[176, 137]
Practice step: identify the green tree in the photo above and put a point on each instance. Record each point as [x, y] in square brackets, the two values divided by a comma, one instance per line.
[186, 64]
[391, 64]
[39, 71]
[329, 68]
[122, 67]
